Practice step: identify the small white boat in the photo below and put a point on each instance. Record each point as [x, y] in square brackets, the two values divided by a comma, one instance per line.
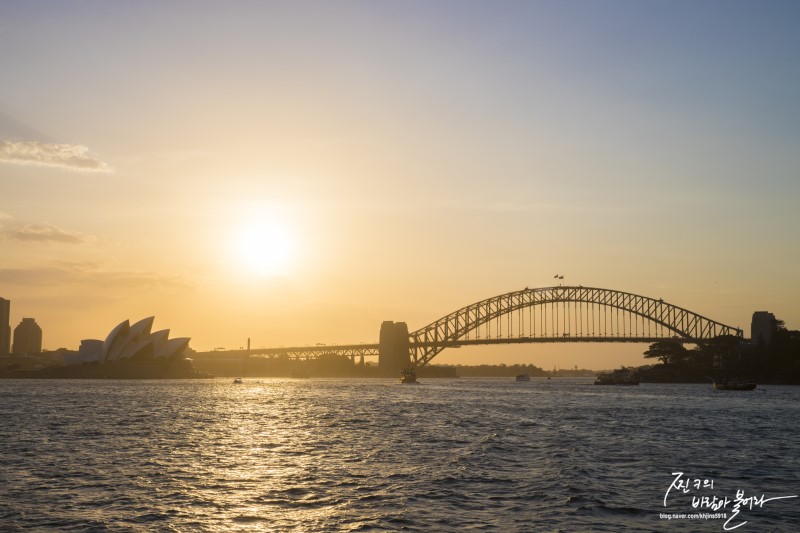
[523, 377]
[238, 381]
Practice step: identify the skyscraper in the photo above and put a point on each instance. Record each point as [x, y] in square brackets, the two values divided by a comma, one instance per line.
[5, 326]
[27, 338]
[763, 327]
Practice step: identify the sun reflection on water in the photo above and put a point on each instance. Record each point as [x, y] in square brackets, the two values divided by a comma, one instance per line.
[315, 455]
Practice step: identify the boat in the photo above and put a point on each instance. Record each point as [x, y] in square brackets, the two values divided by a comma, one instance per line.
[523, 377]
[408, 375]
[238, 381]
[724, 384]
[617, 377]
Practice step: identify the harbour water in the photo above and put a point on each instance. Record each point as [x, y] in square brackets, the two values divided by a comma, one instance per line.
[356, 455]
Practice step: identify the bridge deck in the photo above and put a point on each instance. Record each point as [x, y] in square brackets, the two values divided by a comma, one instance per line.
[563, 338]
[373, 349]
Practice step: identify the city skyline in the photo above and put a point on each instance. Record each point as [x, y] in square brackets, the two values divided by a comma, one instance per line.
[300, 173]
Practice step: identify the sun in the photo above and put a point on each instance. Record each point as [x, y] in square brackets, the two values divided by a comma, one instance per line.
[265, 248]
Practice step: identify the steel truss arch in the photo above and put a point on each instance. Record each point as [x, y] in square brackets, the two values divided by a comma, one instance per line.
[430, 340]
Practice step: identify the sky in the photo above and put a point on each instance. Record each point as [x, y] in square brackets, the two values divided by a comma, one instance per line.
[299, 172]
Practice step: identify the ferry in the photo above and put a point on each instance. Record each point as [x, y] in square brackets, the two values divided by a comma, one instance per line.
[408, 375]
[724, 384]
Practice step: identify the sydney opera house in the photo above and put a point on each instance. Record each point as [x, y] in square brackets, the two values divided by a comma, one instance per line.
[130, 351]
[131, 342]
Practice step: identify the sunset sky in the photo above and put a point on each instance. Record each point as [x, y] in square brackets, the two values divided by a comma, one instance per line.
[298, 172]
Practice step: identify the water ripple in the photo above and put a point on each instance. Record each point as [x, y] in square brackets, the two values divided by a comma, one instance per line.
[371, 455]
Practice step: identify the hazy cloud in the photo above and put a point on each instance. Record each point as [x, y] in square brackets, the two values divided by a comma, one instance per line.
[40, 232]
[91, 275]
[68, 156]
[45, 232]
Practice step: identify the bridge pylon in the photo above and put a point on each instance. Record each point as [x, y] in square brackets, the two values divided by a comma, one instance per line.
[393, 350]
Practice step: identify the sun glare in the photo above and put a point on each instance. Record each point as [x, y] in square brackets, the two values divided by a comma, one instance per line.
[264, 248]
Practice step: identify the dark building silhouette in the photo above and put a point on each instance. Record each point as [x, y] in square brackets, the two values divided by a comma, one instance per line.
[90, 350]
[5, 326]
[27, 338]
[762, 328]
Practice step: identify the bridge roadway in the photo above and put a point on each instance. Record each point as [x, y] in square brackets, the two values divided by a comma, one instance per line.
[372, 350]
[299, 352]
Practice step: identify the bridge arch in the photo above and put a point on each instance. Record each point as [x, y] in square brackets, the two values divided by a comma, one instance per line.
[667, 320]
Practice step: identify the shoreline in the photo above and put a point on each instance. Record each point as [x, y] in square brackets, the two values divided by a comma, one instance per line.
[148, 369]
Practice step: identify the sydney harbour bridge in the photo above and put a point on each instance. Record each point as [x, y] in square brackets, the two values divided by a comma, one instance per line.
[549, 314]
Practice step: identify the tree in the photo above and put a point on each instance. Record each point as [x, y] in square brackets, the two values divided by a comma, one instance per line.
[668, 352]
